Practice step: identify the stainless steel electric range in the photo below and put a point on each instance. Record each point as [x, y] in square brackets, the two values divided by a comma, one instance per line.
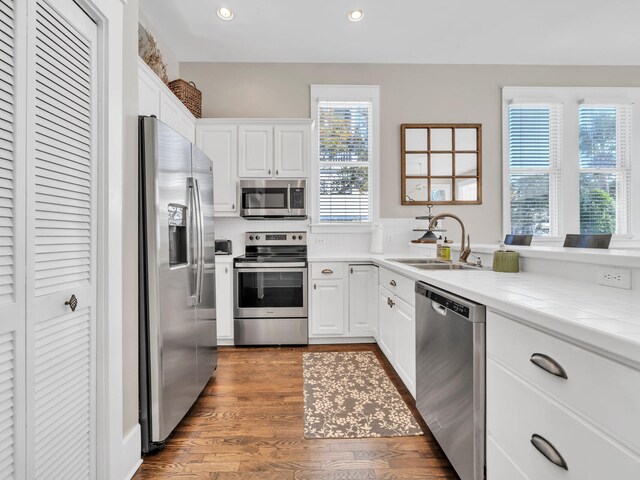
[270, 290]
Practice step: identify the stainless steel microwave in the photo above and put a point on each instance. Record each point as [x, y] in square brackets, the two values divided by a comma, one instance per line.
[261, 199]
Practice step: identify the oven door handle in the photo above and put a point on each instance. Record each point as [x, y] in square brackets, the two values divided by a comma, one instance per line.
[276, 266]
[265, 270]
[288, 197]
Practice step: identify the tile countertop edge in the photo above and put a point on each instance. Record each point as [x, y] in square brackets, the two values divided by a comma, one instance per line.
[620, 346]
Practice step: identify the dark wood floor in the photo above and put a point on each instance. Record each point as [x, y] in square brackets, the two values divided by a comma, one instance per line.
[248, 423]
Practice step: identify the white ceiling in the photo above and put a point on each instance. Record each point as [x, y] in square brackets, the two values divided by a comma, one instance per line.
[558, 32]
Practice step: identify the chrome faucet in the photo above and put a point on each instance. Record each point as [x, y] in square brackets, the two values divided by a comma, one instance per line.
[465, 248]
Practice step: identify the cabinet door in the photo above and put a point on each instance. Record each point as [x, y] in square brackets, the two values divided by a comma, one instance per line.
[328, 307]
[219, 143]
[148, 91]
[224, 300]
[173, 113]
[62, 225]
[363, 303]
[12, 254]
[291, 150]
[386, 323]
[256, 151]
[405, 343]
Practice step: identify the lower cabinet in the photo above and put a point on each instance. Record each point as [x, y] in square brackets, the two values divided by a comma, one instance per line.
[224, 302]
[363, 304]
[343, 300]
[556, 410]
[397, 328]
[328, 306]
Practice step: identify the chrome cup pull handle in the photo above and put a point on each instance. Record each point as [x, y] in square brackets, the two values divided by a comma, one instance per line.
[548, 364]
[548, 450]
[327, 271]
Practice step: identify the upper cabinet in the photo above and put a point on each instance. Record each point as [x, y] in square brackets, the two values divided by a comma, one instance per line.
[256, 151]
[274, 149]
[155, 98]
[220, 143]
[292, 149]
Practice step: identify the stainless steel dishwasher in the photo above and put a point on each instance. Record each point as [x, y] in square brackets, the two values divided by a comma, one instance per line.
[450, 376]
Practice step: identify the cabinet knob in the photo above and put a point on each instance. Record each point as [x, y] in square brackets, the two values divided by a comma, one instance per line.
[226, 269]
[315, 286]
[351, 269]
[72, 303]
[392, 283]
[233, 206]
[269, 171]
[276, 171]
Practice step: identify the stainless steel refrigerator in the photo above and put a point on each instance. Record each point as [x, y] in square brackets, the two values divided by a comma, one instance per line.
[178, 352]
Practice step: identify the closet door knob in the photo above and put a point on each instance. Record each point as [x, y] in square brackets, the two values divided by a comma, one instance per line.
[72, 302]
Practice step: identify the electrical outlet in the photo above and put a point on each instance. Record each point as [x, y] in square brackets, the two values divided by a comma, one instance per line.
[615, 277]
[319, 239]
[389, 239]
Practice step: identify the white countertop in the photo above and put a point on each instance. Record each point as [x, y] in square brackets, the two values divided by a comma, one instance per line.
[605, 319]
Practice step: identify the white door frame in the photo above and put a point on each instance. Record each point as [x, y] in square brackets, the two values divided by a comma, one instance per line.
[108, 15]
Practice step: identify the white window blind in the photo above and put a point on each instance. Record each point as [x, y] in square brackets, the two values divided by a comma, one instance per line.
[605, 168]
[534, 168]
[345, 156]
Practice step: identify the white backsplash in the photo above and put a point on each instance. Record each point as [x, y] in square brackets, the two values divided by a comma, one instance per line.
[397, 234]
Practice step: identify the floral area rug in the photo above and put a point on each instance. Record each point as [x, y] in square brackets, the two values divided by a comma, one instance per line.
[349, 395]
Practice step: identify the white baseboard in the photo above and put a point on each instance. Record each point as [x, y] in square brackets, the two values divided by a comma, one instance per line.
[131, 453]
[340, 340]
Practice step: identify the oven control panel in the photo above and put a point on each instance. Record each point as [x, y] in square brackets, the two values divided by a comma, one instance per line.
[275, 238]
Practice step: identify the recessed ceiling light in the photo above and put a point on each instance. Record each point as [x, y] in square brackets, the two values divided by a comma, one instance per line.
[224, 13]
[355, 15]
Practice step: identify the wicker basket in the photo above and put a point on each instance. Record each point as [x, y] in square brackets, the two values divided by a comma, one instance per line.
[189, 95]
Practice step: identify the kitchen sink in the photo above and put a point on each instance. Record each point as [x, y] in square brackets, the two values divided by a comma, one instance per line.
[433, 264]
[417, 261]
[444, 266]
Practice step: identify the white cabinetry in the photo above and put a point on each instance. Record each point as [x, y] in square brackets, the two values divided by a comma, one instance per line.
[220, 143]
[329, 307]
[292, 149]
[155, 98]
[224, 302]
[272, 149]
[256, 151]
[363, 302]
[579, 405]
[397, 327]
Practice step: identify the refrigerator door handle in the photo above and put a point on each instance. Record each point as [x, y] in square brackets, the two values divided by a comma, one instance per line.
[200, 245]
[194, 299]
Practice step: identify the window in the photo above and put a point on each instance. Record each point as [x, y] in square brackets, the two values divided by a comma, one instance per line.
[534, 161]
[568, 161]
[605, 172]
[345, 160]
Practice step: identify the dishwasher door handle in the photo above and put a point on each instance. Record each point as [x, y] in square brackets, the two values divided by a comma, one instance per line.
[439, 309]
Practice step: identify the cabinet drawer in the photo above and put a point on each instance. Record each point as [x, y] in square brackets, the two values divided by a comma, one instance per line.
[516, 411]
[596, 387]
[403, 287]
[327, 270]
[499, 465]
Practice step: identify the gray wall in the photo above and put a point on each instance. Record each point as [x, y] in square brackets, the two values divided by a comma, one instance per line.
[408, 94]
[130, 220]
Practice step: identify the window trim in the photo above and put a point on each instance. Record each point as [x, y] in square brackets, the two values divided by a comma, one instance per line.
[571, 98]
[345, 93]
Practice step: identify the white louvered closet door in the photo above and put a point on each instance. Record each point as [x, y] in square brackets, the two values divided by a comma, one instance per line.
[12, 251]
[61, 242]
